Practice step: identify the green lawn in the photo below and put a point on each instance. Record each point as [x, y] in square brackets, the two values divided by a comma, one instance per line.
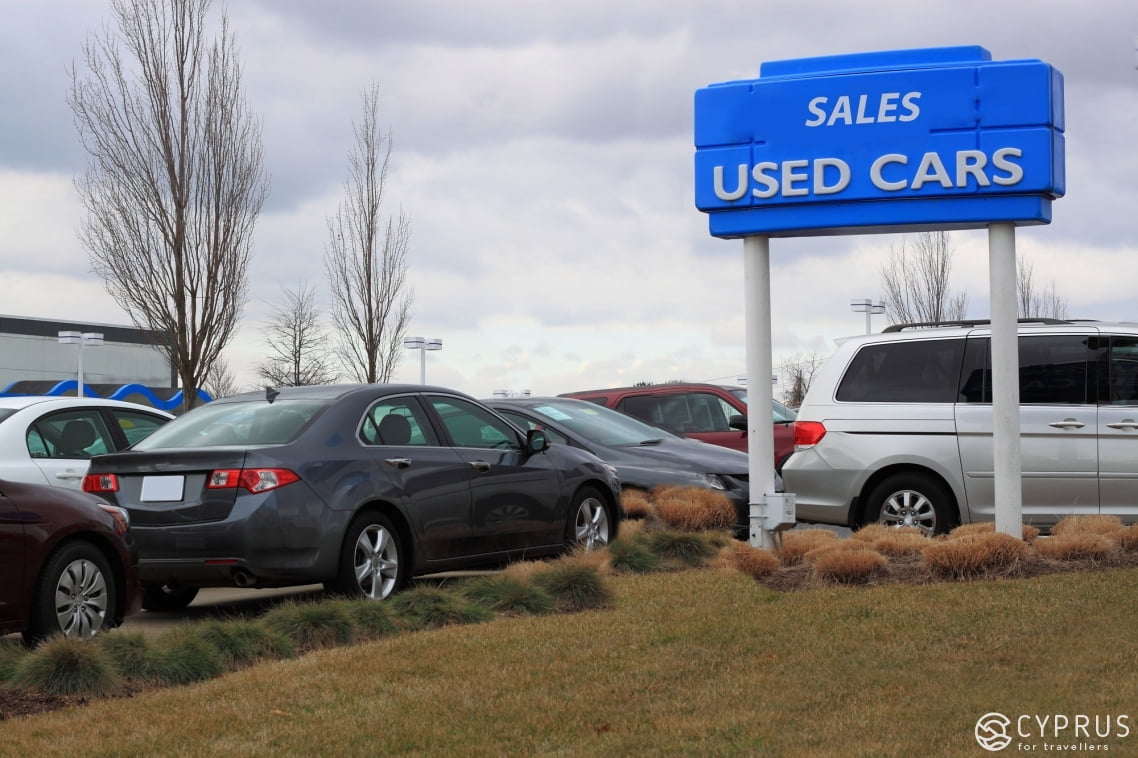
[702, 662]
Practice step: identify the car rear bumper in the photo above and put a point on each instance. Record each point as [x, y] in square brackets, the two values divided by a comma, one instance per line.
[822, 493]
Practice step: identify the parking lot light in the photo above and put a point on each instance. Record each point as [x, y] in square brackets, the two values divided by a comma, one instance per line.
[80, 338]
[869, 308]
[422, 345]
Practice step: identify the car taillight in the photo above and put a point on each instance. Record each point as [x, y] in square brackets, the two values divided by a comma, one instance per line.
[251, 479]
[98, 483]
[808, 433]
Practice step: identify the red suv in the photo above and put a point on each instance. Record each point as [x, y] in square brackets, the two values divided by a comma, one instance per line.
[705, 412]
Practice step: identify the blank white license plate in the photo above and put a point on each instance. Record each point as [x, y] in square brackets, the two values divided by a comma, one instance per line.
[162, 489]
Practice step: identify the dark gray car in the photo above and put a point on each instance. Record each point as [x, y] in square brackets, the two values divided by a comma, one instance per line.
[644, 455]
[355, 486]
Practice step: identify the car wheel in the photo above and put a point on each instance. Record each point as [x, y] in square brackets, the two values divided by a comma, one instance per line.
[163, 597]
[590, 524]
[912, 500]
[75, 595]
[372, 561]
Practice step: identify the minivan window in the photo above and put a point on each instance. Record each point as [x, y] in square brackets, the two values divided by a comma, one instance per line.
[1052, 370]
[1122, 377]
[921, 371]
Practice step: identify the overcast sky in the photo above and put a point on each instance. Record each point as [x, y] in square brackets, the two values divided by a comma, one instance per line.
[543, 152]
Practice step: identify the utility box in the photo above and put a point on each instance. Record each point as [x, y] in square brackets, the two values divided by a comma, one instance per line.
[775, 513]
[781, 512]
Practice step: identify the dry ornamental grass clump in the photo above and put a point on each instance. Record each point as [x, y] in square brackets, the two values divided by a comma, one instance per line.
[693, 509]
[796, 544]
[1077, 546]
[974, 555]
[752, 561]
[871, 533]
[859, 565]
[989, 527]
[1091, 523]
[841, 546]
[636, 503]
[1128, 538]
[903, 543]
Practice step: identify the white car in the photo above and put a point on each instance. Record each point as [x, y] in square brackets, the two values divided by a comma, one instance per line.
[49, 440]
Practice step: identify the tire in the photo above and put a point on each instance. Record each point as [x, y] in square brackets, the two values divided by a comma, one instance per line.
[590, 524]
[373, 563]
[163, 597]
[915, 500]
[75, 595]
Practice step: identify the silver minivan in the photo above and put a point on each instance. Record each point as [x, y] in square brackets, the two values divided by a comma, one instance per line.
[897, 426]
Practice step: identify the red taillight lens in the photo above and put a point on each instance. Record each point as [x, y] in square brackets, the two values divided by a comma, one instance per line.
[251, 479]
[98, 483]
[808, 432]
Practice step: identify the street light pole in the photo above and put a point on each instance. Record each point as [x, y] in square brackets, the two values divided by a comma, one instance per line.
[81, 339]
[869, 308]
[422, 345]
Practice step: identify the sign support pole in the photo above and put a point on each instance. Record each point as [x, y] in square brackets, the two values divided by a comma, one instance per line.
[1007, 454]
[760, 441]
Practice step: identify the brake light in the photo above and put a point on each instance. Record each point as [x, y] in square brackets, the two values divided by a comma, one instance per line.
[251, 479]
[808, 433]
[99, 483]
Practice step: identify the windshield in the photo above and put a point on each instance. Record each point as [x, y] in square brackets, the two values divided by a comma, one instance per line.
[601, 425]
[782, 414]
[254, 422]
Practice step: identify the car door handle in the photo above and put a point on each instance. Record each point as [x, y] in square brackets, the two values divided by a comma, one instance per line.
[1126, 423]
[1067, 423]
[479, 465]
[68, 475]
[398, 462]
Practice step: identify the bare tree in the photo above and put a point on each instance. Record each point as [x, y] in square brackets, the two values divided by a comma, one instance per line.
[916, 281]
[798, 371]
[1033, 303]
[174, 182]
[219, 381]
[366, 259]
[297, 343]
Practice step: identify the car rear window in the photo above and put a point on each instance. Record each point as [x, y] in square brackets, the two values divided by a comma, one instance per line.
[245, 423]
[918, 371]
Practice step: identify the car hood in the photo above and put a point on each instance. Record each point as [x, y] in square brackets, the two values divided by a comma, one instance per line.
[677, 455]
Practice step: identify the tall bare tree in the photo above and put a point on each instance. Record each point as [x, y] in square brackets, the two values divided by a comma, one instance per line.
[798, 371]
[218, 380]
[174, 182]
[299, 355]
[1035, 303]
[915, 281]
[366, 258]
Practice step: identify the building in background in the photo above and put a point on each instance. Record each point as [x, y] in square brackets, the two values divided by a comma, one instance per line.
[128, 365]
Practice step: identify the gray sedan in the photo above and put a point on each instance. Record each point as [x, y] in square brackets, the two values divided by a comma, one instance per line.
[356, 486]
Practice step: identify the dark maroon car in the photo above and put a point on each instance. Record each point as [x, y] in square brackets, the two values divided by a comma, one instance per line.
[68, 564]
[706, 412]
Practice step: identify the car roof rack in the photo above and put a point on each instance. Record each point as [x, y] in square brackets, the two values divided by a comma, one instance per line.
[971, 322]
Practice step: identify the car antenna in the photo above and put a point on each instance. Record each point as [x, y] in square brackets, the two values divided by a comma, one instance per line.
[271, 394]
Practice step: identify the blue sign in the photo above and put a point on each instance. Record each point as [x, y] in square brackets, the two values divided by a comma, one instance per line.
[895, 141]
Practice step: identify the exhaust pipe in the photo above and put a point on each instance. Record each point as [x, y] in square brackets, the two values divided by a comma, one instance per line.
[243, 578]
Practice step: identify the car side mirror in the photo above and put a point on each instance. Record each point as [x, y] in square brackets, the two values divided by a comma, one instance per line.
[537, 441]
[738, 421]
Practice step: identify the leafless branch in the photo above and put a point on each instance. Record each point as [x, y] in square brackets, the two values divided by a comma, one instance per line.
[915, 281]
[366, 259]
[298, 345]
[174, 182]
